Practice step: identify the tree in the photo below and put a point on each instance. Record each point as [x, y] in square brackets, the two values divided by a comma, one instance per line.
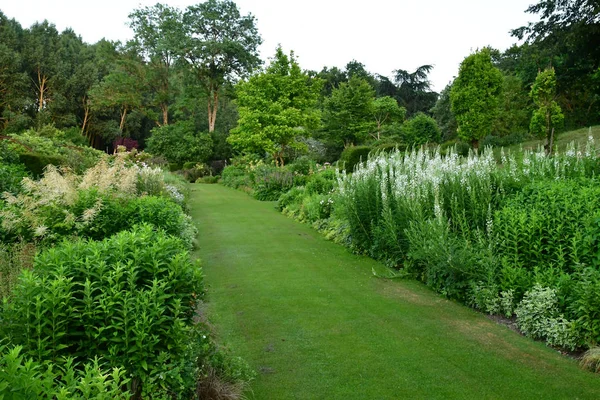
[159, 32]
[180, 143]
[332, 77]
[348, 112]
[276, 107]
[567, 34]
[443, 115]
[386, 111]
[514, 108]
[474, 96]
[40, 56]
[556, 15]
[414, 89]
[13, 79]
[220, 47]
[548, 116]
[120, 90]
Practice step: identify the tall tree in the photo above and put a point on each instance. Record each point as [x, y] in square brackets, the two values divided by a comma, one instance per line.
[567, 33]
[556, 15]
[120, 90]
[548, 115]
[386, 111]
[158, 31]
[40, 55]
[276, 107]
[348, 112]
[443, 115]
[13, 79]
[474, 96]
[414, 89]
[221, 46]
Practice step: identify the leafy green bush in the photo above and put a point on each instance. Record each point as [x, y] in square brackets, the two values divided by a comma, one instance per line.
[302, 165]
[24, 378]
[36, 163]
[193, 172]
[503, 141]
[180, 143]
[292, 196]
[583, 303]
[271, 182]
[208, 179]
[235, 176]
[316, 207]
[320, 184]
[420, 129]
[48, 145]
[549, 222]
[11, 176]
[441, 259]
[538, 317]
[129, 299]
[352, 156]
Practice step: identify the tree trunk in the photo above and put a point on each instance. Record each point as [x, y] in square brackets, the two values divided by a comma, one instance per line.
[86, 116]
[123, 116]
[213, 103]
[165, 113]
[550, 143]
[42, 86]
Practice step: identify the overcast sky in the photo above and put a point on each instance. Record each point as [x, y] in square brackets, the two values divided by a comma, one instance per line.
[382, 34]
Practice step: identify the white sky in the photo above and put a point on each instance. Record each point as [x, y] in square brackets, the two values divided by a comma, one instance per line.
[382, 34]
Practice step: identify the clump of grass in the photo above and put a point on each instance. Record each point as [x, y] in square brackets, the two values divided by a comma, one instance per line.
[591, 360]
[214, 387]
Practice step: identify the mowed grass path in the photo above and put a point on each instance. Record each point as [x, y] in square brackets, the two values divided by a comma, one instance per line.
[315, 324]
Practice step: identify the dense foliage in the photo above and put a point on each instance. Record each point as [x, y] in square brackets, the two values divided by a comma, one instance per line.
[99, 292]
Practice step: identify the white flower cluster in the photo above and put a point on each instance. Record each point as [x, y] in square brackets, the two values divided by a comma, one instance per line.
[175, 193]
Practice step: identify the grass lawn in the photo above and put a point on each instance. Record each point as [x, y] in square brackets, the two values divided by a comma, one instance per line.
[315, 324]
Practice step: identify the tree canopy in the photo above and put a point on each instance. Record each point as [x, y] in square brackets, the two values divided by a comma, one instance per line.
[220, 47]
[474, 96]
[276, 107]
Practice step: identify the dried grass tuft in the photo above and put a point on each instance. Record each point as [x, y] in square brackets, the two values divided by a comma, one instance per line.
[591, 360]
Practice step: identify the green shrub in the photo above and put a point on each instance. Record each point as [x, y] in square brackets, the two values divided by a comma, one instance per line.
[352, 156]
[420, 129]
[208, 179]
[302, 165]
[292, 196]
[444, 261]
[316, 207]
[48, 145]
[180, 143]
[549, 222]
[11, 176]
[22, 378]
[538, 317]
[35, 162]
[175, 167]
[583, 304]
[319, 184]
[129, 299]
[196, 171]
[235, 177]
[271, 182]
[92, 215]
